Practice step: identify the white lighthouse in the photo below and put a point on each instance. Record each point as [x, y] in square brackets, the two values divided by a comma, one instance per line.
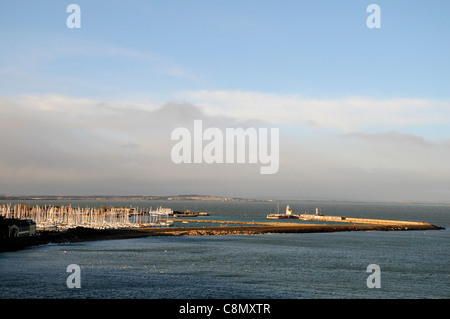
[288, 210]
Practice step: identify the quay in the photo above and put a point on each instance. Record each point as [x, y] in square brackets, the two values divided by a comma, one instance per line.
[342, 219]
[354, 220]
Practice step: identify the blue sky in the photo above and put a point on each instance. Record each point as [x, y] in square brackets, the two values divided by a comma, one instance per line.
[357, 106]
[317, 49]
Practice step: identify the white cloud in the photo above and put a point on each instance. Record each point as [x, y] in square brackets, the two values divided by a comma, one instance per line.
[63, 145]
[347, 115]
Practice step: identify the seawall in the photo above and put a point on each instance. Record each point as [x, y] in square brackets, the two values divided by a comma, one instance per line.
[355, 220]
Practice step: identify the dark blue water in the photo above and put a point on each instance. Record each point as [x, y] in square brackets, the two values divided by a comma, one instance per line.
[413, 264]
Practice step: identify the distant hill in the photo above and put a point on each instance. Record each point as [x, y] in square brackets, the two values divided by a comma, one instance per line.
[193, 197]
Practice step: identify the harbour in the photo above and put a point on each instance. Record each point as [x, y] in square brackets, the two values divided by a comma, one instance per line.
[224, 150]
[81, 234]
[64, 224]
[237, 253]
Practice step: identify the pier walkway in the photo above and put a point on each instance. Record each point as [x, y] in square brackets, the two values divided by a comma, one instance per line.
[354, 220]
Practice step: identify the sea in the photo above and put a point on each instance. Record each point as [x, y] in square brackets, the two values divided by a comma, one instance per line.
[339, 265]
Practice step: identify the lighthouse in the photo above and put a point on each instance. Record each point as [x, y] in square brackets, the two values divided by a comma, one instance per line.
[288, 210]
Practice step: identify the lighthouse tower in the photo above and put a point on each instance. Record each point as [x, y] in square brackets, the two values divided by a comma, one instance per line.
[288, 210]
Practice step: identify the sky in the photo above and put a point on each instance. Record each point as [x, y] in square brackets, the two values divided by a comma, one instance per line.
[363, 113]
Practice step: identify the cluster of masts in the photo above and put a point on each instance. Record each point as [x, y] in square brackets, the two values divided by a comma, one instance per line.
[65, 217]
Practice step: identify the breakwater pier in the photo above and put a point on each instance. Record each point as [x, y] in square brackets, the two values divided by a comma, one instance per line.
[317, 217]
[355, 220]
[80, 234]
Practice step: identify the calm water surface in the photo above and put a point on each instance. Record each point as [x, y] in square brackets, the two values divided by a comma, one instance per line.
[414, 264]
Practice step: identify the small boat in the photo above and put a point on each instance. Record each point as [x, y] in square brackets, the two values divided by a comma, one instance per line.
[203, 214]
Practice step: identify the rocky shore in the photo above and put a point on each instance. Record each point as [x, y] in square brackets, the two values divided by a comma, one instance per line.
[72, 235]
[87, 234]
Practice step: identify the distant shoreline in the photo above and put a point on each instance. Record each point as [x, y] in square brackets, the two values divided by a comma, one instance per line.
[123, 198]
[174, 198]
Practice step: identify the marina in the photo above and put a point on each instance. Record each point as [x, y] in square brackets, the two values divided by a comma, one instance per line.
[132, 229]
[64, 222]
[82, 234]
[63, 217]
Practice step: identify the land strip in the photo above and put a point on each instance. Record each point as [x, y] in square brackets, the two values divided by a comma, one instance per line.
[80, 234]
